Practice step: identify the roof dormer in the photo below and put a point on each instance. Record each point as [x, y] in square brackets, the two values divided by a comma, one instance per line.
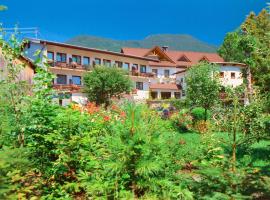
[204, 58]
[184, 58]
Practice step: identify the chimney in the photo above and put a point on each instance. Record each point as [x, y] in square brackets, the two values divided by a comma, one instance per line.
[165, 48]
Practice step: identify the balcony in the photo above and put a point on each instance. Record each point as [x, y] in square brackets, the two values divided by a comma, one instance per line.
[67, 87]
[143, 74]
[71, 65]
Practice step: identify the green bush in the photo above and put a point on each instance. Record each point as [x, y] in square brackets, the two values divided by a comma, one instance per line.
[198, 114]
[182, 120]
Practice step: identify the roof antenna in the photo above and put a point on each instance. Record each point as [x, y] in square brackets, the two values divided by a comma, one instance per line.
[29, 30]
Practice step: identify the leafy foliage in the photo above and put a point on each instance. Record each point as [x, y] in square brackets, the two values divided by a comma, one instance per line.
[103, 83]
[250, 44]
[203, 86]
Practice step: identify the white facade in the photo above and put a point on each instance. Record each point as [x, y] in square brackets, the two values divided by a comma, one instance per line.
[232, 76]
[79, 98]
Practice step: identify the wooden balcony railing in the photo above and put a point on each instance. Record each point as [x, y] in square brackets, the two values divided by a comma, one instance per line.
[68, 87]
[71, 65]
[143, 74]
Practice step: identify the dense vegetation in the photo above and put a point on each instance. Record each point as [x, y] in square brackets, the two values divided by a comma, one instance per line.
[127, 151]
[206, 149]
[250, 44]
[103, 83]
[175, 42]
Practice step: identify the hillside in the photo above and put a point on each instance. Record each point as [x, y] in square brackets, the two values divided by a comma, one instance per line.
[175, 42]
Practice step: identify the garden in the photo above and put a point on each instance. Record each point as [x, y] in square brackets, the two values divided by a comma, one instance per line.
[206, 149]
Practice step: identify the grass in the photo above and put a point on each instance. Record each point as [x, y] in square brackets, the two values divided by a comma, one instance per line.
[256, 155]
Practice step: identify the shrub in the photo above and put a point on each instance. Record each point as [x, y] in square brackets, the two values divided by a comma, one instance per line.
[182, 120]
[198, 114]
[103, 83]
[138, 159]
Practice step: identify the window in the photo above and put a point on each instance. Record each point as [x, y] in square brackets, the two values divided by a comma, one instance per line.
[143, 69]
[154, 95]
[177, 95]
[97, 61]
[232, 75]
[183, 93]
[118, 64]
[221, 74]
[166, 73]
[155, 71]
[182, 80]
[86, 61]
[139, 85]
[135, 67]
[61, 57]
[61, 79]
[76, 59]
[165, 95]
[107, 62]
[50, 55]
[76, 80]
[126, 66]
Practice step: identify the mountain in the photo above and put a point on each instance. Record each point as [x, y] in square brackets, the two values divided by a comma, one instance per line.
[174, 41]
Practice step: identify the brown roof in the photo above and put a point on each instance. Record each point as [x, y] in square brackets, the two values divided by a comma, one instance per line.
[90, 49]
[164, 86]
[192, 57]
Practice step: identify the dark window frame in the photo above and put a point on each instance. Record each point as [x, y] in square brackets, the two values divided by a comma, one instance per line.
[77, 57]
[166, 75]
[233, 75]
[107, 62]
[76, 77]
[126, 64]
[221, 74]
[86, 57]
[61, 60]
[139, 85]
[57, 78]
[142, 67]
[118, 64]
[50, 52]
[99, 61]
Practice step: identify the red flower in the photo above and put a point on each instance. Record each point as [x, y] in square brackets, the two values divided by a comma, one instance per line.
[122, 114]
[92, 108]
[106, 118]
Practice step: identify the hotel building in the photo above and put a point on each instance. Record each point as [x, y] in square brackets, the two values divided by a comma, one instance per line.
[157, 73]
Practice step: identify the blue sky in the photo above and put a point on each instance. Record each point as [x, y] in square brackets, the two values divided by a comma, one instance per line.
[59, 20]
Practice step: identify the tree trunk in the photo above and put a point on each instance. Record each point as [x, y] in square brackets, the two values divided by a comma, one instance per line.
[249, 85]
[235, 102]
[205, 114]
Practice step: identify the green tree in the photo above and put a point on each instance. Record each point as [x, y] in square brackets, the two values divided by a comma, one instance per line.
[203, 86]
[139, 160]
[250, 44]
[103, 83]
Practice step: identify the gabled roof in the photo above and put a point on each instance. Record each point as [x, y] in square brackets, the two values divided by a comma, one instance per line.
[193, 57]
[160, 53]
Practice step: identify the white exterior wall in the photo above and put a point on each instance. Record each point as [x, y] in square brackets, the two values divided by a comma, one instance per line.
[227, 80]
[160, 70]
[79, 98]
[141, 95]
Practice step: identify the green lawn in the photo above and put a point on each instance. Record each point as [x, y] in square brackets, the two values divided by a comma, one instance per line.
[256, 155]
